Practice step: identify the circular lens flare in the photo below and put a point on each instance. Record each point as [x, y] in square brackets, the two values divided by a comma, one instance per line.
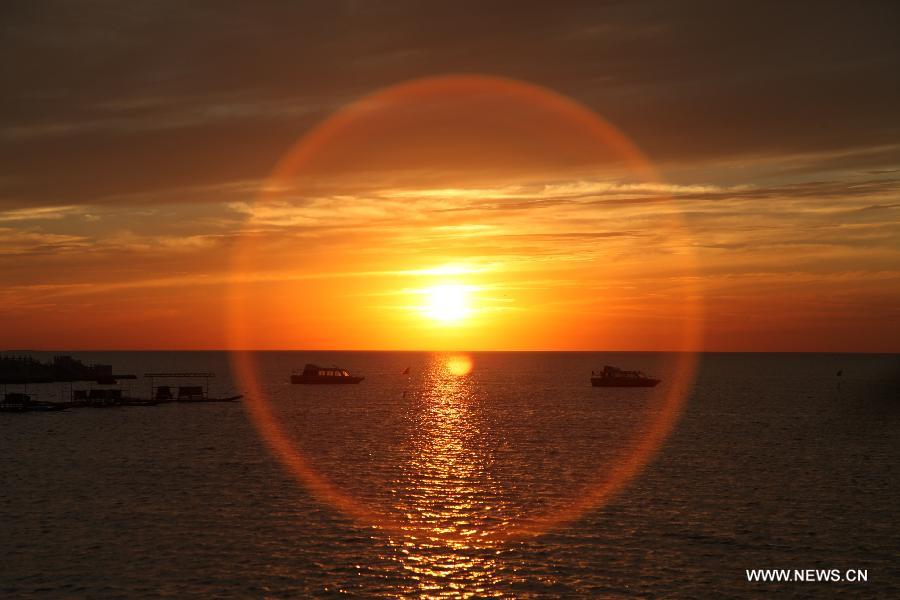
[343, 143]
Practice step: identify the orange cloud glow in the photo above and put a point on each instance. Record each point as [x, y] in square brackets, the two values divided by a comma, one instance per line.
[493, 199]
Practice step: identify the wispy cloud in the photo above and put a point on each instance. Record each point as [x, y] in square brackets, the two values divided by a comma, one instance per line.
[16, 243]
[39, 213]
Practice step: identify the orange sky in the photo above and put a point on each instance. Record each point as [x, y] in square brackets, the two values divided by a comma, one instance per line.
[460, 213]
[509, 196]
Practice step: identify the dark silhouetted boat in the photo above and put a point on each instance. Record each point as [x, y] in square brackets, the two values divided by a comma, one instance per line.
[613, 377]
[105, 398]
[185, 393]
[188, 393]
[314, 374]
[18, 402]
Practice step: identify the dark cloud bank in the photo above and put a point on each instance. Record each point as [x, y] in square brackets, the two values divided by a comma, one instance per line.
[113, 98]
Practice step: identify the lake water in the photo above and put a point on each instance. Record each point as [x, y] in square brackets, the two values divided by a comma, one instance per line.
[775, 462]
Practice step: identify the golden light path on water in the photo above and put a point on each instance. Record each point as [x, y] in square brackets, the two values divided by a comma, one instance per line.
[448, 489]
[445, 463]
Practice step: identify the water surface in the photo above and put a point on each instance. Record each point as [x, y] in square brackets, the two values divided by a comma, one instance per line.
[775, 462]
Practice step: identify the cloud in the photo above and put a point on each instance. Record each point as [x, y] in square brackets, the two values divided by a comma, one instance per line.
[139, 138]
[115, 114]
[205, 114]
[38, 213]
[15, 243]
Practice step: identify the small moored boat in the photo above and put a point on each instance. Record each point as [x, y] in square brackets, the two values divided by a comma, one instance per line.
[162, 394]
[17, 402]
[314, 374]
[105, 398]
[614, 377]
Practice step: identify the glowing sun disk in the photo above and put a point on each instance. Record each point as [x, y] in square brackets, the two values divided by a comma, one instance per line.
[447, 303]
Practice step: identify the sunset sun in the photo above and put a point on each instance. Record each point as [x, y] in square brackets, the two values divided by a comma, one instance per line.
[448, 303]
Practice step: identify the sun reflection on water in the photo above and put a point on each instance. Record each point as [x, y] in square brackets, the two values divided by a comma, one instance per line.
[451, 501]
[458, 366]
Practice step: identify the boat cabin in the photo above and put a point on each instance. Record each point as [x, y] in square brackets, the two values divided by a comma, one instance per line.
[609, 371]
[96, 397]
[186, 393]
[164, 392]
[615, 377]
[316, 374]
[190, 392]
[105, 394]
[311, 370]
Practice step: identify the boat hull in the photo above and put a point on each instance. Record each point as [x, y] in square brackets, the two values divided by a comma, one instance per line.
[623, 382]
[31, 407]
[324, 380]
[138, 402]
[205, 399]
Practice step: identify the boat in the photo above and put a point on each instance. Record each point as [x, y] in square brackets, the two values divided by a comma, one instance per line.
[314, 374]
[615, 377]
[97, 398]
[105, 398]
[159, 394]
[18, 402]
[185, 393]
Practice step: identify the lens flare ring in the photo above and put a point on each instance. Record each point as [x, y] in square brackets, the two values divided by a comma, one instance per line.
[299, 159]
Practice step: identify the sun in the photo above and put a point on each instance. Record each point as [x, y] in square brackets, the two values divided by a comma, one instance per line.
[447, 303]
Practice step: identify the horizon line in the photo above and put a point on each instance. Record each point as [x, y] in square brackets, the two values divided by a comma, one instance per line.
[559, 351]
